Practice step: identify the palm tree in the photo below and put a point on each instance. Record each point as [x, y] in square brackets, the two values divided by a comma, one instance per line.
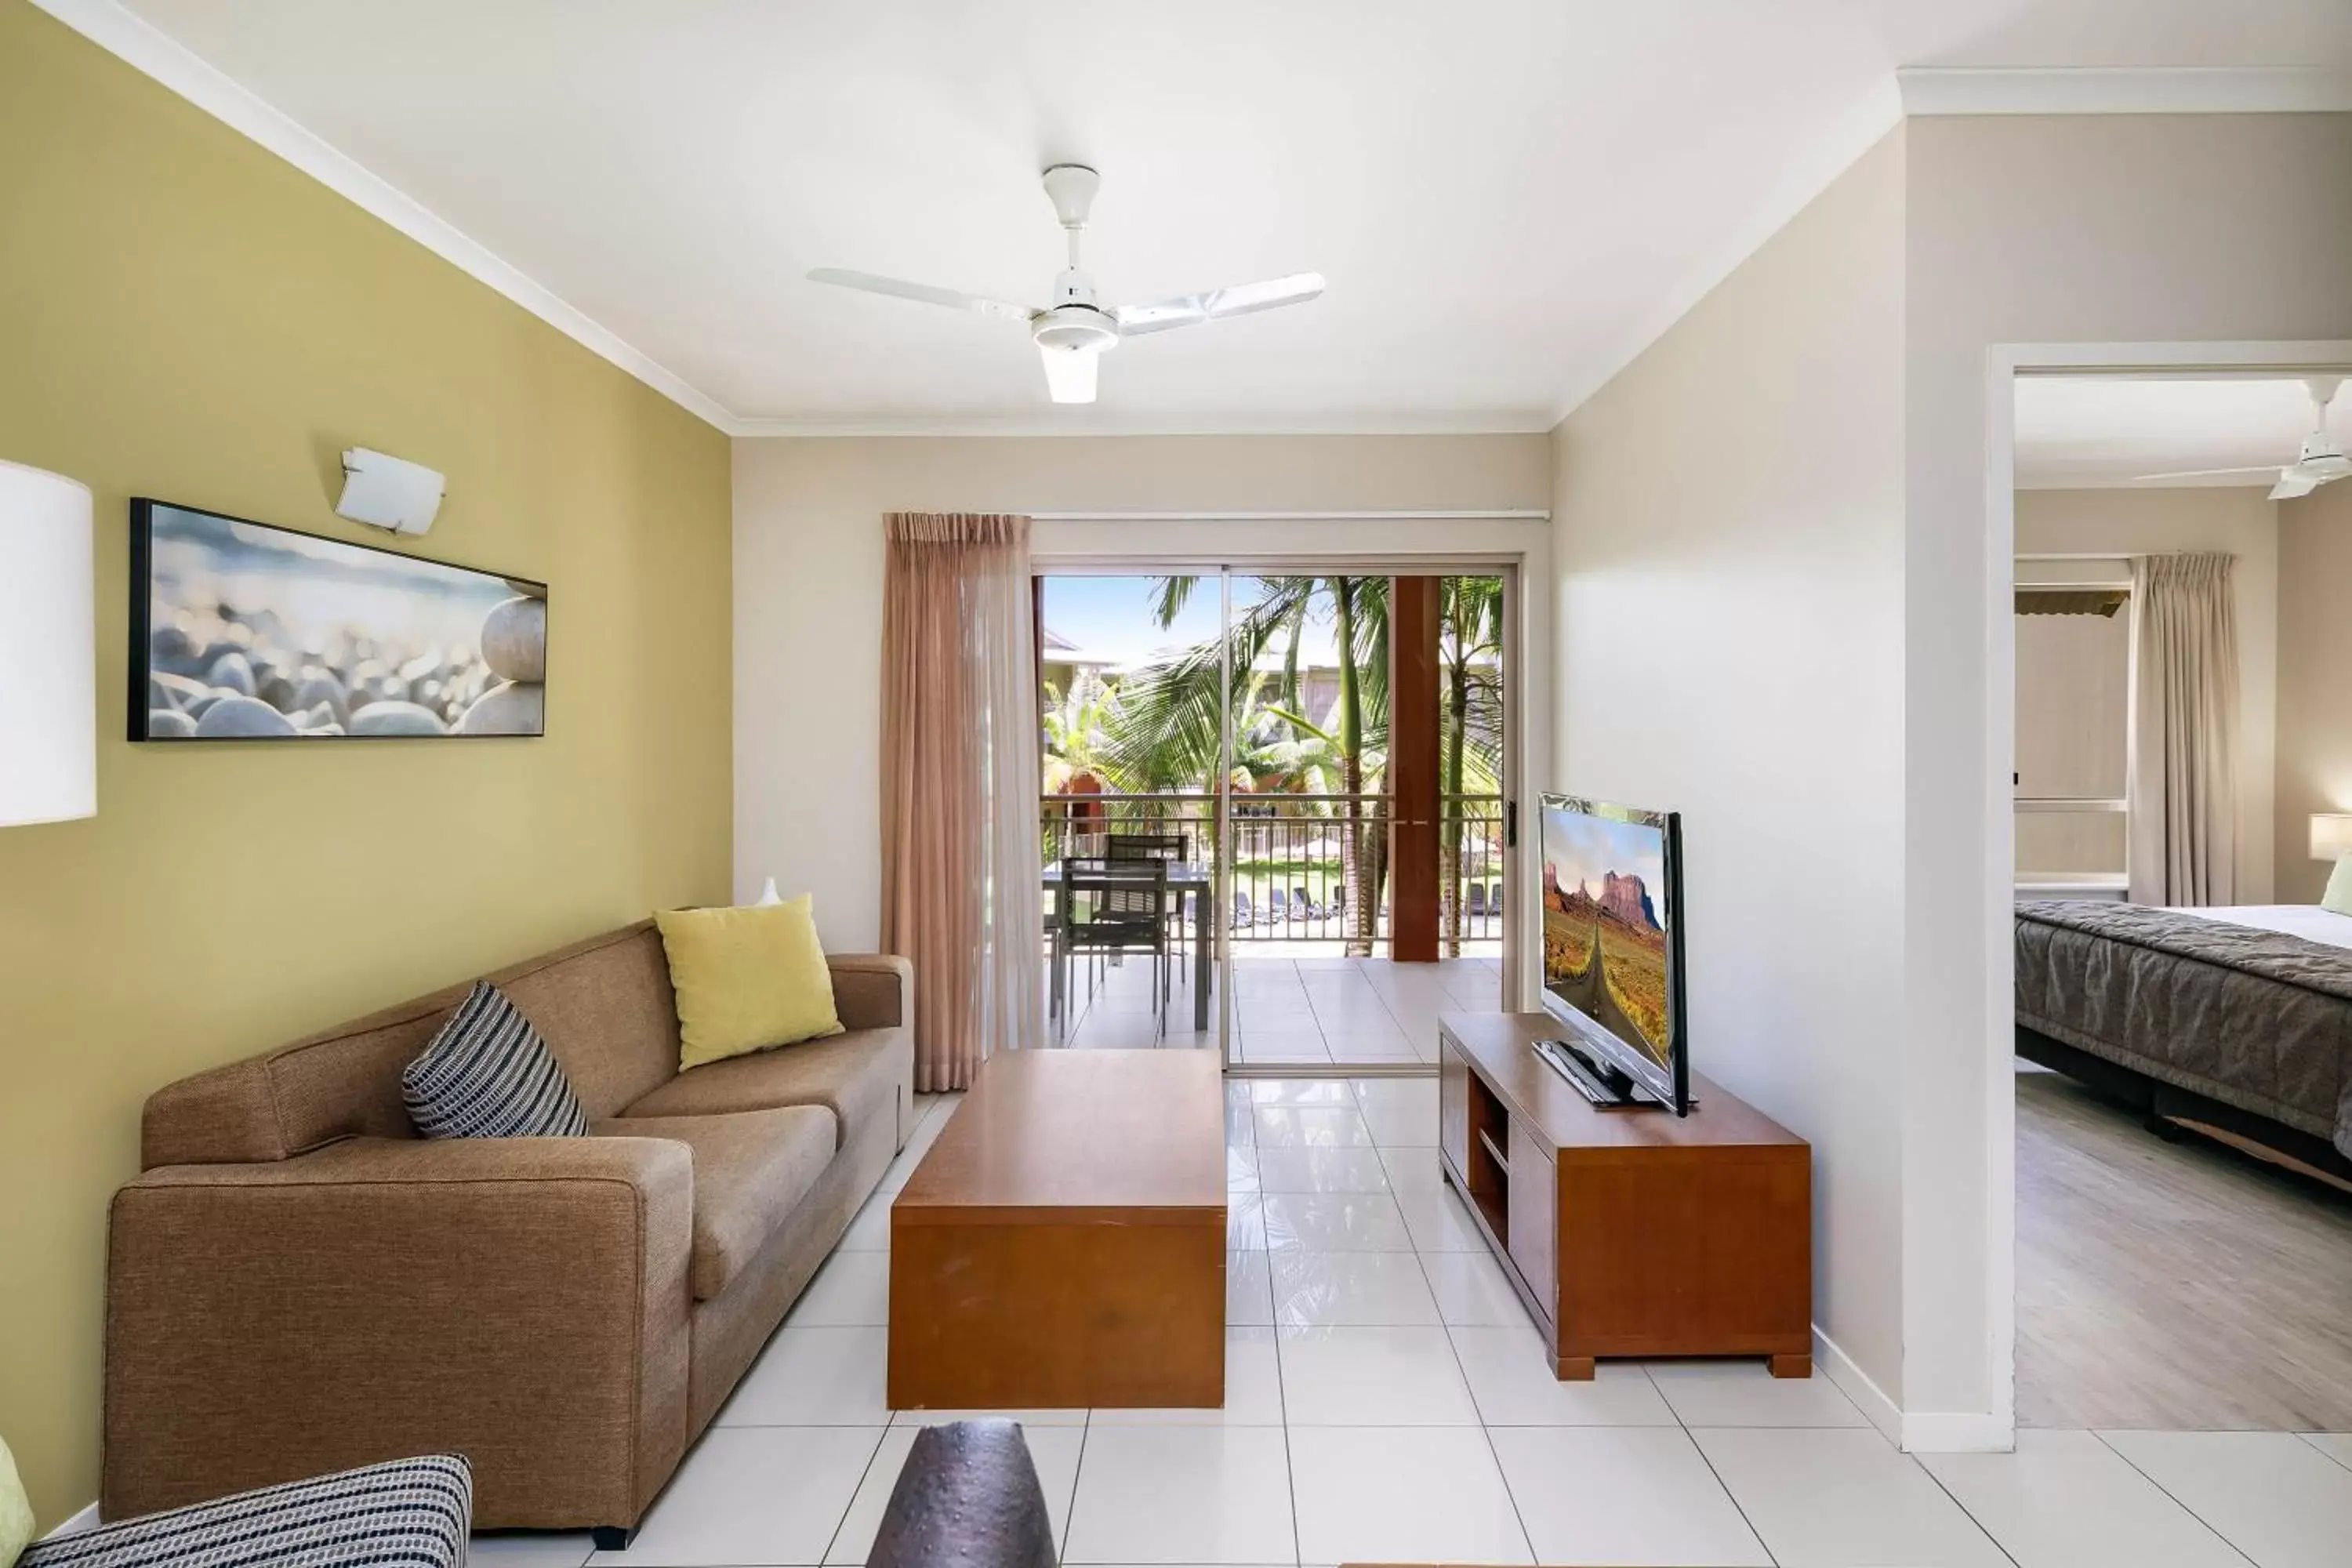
[1168, 730]
[1470, 647]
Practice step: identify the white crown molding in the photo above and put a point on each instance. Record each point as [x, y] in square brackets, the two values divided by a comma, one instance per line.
[2190, 89]
[146, 48]
[1076, 424]
[1855, 132]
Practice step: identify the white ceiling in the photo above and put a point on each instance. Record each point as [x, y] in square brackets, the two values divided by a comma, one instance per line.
[2096, 431]
[1509, 197]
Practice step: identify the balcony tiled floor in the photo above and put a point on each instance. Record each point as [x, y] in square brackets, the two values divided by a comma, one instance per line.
[1385, 1402]
[1309, 1006]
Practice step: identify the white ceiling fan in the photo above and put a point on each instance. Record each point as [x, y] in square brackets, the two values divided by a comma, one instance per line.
[2321, 461]
[1073, 332]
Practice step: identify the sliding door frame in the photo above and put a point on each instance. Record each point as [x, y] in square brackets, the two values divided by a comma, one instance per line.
[1513, 568]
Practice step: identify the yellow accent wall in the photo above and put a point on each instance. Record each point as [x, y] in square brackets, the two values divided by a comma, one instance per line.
[181, 315]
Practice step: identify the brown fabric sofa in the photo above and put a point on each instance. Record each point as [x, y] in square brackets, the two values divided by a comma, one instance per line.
[297, 1283]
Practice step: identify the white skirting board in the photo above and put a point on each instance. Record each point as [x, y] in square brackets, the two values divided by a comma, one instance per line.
[84, 1519]
[1913, 1431]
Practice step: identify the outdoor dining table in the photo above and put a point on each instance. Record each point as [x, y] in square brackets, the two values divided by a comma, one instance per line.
[1184, 877]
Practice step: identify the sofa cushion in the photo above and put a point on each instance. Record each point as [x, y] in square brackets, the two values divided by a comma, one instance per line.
[857, 1075]
[488, 1075]
[748, 979]
[751, 1169]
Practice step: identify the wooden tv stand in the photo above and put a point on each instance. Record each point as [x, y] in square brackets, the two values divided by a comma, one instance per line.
[1634, 1232]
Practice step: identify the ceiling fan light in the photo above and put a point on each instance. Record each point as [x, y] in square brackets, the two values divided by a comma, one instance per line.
[1069, 373]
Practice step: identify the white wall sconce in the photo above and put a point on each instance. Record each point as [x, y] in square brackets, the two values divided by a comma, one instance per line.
[48, 650]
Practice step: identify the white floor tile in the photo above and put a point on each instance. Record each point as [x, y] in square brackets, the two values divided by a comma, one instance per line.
[1240, 1168]
[1253, 1390]
[1373, 1377]
[1386, 1048]
[1473, 1291]
[1052, 1449]
[851, 1289]
[1344, 1290]
[762, 1495]
[1398, 1097]
[1336, 1222]
[1240, 1132]
[814, 1377]
[1249, 1288]
[1402, 1495]
[2065, 1499]
[2336, 1446]
[1312, 1127]
[2271, 1495]
[1293, 1051]
[1622, 1496]
[1437, 1219]
[1842, 1498]
[1033, 1419]
[531, 1548]
[1413, 1169]
[1182, 1494]
[1245, 1221]
[870, 1231]
[1746, 1393]
[1321, 1170]
[1328, 1091]
[1394, 1127]
[1511, 1377]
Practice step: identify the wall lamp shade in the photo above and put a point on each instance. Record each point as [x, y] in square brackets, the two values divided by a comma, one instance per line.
[2331, 834]
[48, 650]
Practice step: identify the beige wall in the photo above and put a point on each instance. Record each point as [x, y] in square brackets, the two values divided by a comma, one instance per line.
[2314, 684]
[2236, 521]
[2023, 229]
[808, 586]
[1727, 534]
[186, 317]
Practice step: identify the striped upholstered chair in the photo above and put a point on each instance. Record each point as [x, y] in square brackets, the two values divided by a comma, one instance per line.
[407, 1513]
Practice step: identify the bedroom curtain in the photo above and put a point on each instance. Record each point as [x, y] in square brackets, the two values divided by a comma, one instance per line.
[959, 784]
[2183, 788]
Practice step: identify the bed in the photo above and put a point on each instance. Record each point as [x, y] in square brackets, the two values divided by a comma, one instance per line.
[2234, 1021]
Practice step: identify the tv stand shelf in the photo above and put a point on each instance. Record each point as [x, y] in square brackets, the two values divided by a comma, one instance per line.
[1628, 1232]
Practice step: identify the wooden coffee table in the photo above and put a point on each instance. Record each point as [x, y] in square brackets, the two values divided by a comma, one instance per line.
[1062, 1245]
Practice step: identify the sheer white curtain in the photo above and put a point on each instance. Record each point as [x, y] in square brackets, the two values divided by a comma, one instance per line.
[960, 856]
[2184, 745]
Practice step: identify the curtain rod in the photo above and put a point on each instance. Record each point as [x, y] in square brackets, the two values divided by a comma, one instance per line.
[1497, 514]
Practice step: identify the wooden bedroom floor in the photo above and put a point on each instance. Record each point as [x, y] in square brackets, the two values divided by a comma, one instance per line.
[2172, 1285]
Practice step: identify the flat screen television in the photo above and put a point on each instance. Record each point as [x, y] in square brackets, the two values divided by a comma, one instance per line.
[1613, 950]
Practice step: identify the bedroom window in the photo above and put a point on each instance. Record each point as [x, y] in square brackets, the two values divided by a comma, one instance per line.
[2073, 686]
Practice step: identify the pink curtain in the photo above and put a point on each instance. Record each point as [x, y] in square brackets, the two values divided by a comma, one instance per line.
[2184, 721]
[960, 783]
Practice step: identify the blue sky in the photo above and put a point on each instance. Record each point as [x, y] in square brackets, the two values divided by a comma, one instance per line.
[1579, 848]
[1110, 617]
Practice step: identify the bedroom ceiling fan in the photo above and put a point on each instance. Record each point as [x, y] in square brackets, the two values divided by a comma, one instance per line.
[1075, 330]
[2322, 461]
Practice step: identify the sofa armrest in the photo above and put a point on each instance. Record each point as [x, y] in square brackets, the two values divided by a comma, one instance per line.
[415, 1513]
[872, 990]
[521, 1301]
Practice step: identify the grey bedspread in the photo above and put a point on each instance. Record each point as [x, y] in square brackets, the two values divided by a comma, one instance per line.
[2253, 1018]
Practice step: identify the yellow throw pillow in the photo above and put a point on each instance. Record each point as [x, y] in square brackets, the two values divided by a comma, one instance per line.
[747, 979]
[2337, 899]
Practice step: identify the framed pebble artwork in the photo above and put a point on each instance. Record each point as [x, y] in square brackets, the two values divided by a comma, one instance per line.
[243, 631]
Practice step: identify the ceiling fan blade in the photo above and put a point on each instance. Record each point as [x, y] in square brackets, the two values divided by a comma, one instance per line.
[2207, 473]
[2292, 485]
[1189, 309]
[1069, 373]
[899, 287]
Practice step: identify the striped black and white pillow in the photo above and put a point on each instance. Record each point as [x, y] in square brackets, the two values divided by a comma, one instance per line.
[488, 1075]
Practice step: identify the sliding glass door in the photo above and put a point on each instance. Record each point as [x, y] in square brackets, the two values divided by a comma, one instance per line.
[1320, 760]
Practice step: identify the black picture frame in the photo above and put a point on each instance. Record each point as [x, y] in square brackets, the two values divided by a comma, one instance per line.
[140, 666]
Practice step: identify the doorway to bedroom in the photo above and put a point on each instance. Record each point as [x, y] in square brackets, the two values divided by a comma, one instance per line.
[2182, 766]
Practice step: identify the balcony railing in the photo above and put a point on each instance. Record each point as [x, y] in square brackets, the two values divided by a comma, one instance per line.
[1292, 876]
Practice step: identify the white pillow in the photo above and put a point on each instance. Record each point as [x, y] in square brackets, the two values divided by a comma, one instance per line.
[2337, 899]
